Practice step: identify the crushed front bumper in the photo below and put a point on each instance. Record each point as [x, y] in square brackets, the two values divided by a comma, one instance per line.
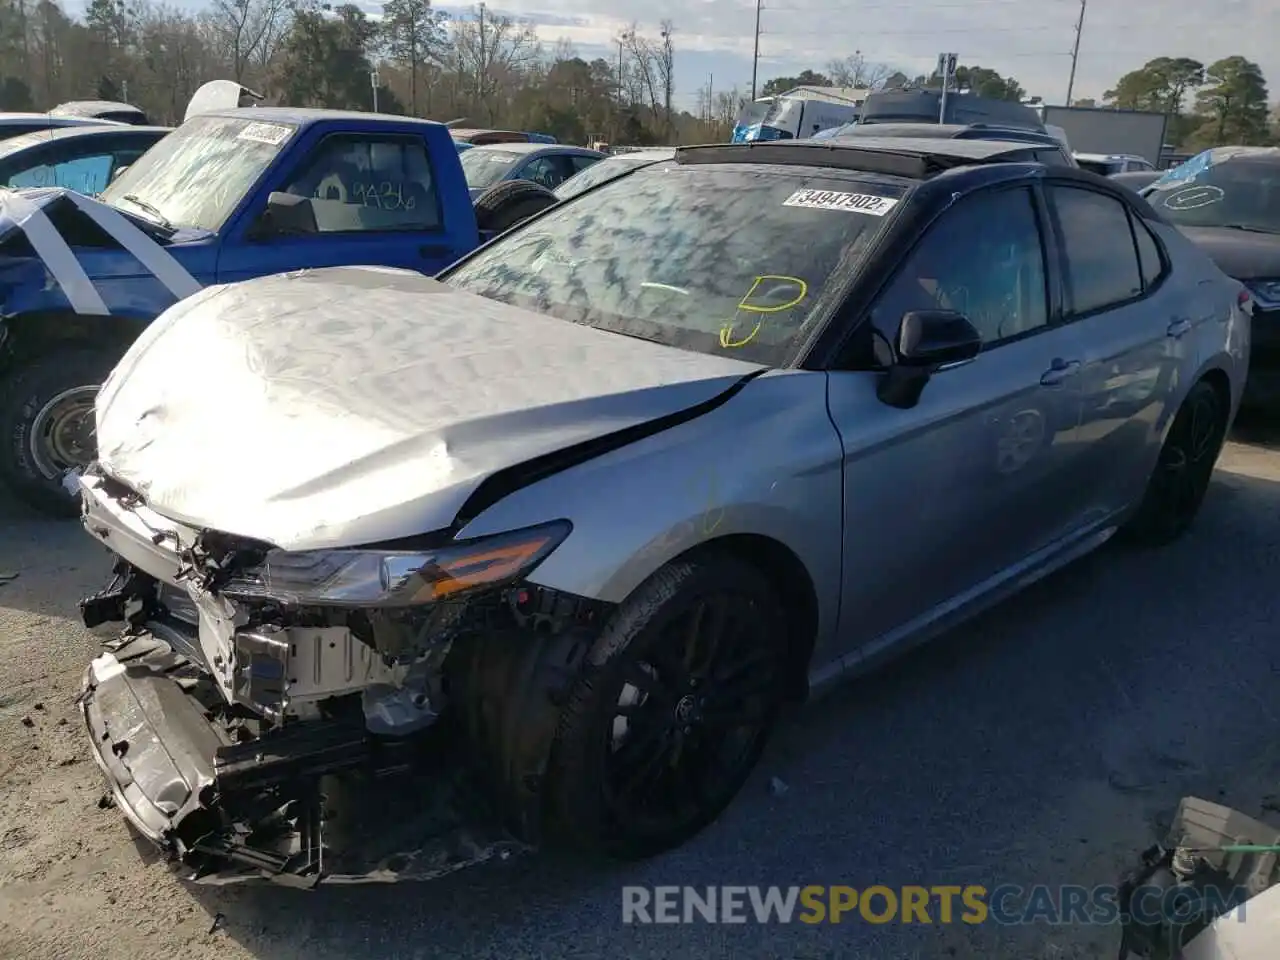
[322, 801]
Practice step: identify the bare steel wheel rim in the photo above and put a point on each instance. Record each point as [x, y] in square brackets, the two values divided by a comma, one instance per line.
[62, 432]
[692, 709]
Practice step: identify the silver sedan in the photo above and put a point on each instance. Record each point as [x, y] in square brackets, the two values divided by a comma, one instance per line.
[572, 522]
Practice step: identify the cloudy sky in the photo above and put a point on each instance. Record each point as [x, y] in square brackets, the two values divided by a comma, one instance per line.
[1028, 39]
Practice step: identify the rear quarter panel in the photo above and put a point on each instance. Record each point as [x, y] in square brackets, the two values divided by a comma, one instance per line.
[767, 462]
[1222, 329]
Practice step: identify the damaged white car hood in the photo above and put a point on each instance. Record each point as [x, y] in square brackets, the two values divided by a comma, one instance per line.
[357, 404]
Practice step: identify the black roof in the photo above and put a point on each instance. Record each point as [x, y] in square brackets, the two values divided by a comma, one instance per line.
[944, 131]
[915, 158]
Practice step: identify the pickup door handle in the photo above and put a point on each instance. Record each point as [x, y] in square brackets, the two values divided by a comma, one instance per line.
[1179, 328]
[1060, 371]
[433, 251]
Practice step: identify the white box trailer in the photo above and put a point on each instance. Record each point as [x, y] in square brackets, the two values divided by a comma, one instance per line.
[1135, 133]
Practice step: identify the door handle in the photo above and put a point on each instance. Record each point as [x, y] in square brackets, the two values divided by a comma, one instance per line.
[1060, 371]
[432, 250]
[1179, 328]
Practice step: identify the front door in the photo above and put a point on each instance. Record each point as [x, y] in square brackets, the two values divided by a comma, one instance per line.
[942, 498]
[375, 204]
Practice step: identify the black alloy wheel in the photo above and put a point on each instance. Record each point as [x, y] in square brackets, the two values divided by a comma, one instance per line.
[1181, 478]
[657, 741]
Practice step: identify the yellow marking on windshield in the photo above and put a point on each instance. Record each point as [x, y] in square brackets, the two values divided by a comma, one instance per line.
[776, 308]
[726, 329]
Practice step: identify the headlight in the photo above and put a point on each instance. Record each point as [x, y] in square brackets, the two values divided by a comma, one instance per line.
[384, 578]
[1266, 293]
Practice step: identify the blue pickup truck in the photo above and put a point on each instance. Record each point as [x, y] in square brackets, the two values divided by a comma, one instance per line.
[231, 194]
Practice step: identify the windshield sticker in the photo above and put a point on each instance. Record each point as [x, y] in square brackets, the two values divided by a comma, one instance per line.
[789, 290]
[1193, 198]
[272, 133]
[867, 203]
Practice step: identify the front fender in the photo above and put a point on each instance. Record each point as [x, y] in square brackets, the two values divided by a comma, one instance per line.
[767, 463]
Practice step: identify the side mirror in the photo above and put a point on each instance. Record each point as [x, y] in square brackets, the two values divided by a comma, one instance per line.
[286, 213]
[119, 170]
[927, 341]
[935, 338]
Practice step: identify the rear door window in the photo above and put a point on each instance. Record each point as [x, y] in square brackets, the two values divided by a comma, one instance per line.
[88, 175]
[1102, 268]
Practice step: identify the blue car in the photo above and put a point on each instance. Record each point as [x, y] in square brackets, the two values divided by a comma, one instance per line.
[80, 158]
[546, 165]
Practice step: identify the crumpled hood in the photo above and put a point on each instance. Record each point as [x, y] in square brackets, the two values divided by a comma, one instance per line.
[1239, 253]
[356, 404]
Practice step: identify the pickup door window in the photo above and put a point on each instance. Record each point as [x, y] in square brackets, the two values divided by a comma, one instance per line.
[375, 202]
[360, 183]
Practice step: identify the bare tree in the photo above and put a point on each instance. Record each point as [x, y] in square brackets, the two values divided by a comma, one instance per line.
[247, 31]
[490, 50]
[413, 34]
[857, 71]
[665, 54]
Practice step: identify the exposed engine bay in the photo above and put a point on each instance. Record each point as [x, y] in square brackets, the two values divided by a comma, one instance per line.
[336, 715]
[1188, 898]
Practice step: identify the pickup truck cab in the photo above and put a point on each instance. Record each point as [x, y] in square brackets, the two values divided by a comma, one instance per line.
[231, 194]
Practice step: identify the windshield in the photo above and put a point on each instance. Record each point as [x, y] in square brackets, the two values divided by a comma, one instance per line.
[707, 258]
[197, 175]
[754, 112]
[484, 167]
[1241, 192]
[602, 171]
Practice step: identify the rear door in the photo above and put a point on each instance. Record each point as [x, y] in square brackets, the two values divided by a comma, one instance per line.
[375, 201]
[943, 499]
[1132, 327]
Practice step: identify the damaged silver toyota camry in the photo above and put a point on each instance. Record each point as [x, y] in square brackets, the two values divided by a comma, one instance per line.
[414, 572]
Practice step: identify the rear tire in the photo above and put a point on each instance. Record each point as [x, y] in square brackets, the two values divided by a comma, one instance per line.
[670, 711]
[47, 426]
[1181, 478]
[511, 202]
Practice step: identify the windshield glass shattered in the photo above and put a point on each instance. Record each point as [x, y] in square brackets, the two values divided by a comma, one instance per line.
[701, 257]
[484, 167]
[197, 175]
[1222, 189]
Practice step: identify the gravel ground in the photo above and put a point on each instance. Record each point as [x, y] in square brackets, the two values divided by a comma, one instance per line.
[1045, 742]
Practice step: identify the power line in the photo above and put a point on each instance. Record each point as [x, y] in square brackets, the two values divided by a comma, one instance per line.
[899, 7]
[946, 32]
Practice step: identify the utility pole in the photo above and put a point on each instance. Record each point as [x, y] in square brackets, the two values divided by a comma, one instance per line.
[1075, 51]
[373, 82]
[755, 53]
[947, 68]
[711, 100]
[484, 60]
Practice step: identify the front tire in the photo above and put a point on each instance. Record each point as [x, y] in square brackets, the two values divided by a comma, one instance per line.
[670, 712]
[1181, 478]
[47, 426]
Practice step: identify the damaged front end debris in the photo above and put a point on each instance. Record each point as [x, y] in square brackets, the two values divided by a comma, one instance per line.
[325, 716]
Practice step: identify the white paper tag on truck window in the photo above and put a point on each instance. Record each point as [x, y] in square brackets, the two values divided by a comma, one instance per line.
[272, 133]
[867, 203]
